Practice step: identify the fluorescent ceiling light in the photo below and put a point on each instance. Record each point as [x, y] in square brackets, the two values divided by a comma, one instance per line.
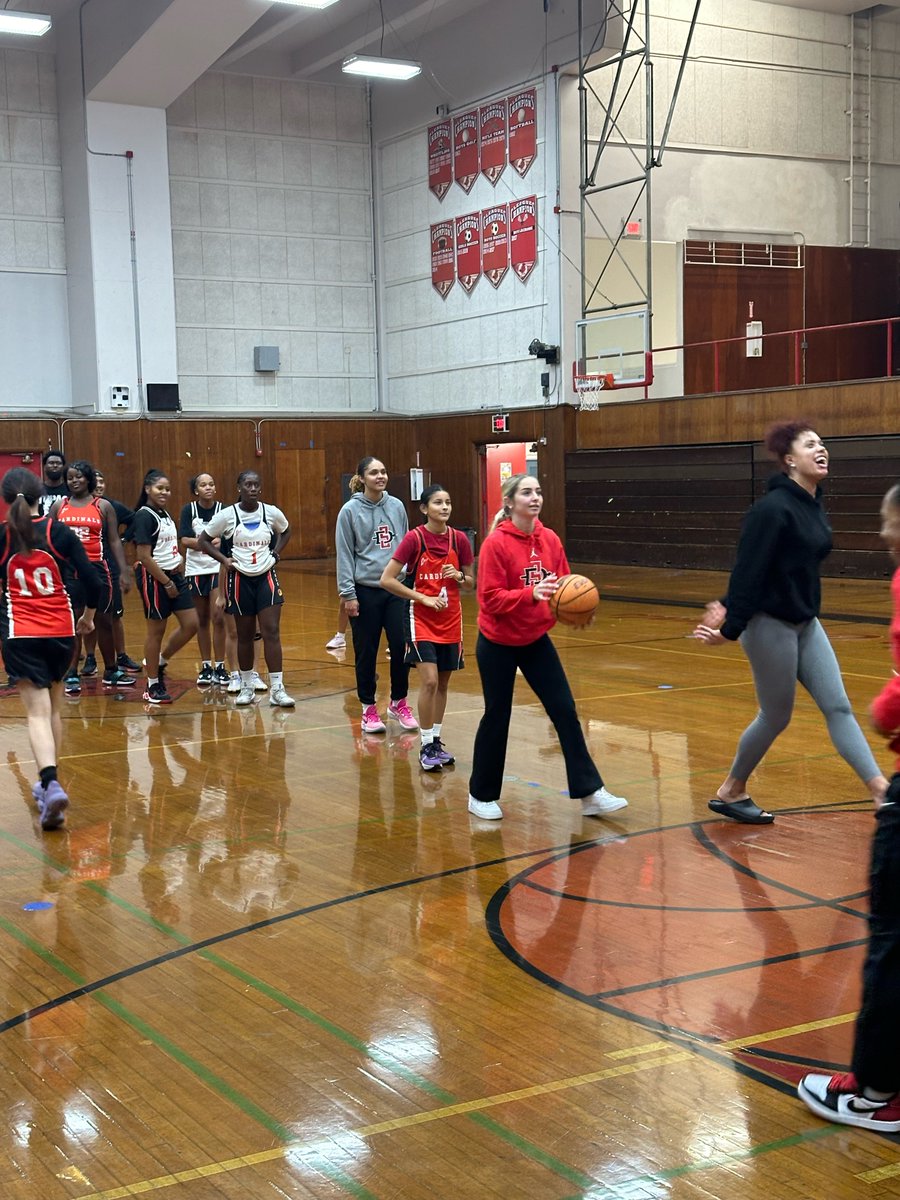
[29, 24]
[377, 67]
[309, 3]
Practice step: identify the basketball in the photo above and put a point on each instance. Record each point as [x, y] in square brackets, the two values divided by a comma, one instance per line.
[575, 600]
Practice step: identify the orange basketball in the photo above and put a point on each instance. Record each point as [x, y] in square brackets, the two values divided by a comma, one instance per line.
[575, 600]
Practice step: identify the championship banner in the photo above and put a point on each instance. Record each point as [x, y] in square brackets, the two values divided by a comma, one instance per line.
[465, 149]
[468, 250]
[523, 235]
[523, 130]
[440, 160]
[495, 243]
[442, 257]
[492, 136]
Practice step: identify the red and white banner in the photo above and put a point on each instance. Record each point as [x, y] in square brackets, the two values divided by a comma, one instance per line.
[495, 243]
[492, 135]
[465, 149]
[442, 257]
[468, 250]
[523, 235]
[440, 158]
[523, 130]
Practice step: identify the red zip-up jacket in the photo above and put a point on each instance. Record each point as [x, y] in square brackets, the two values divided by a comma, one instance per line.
[510, 564]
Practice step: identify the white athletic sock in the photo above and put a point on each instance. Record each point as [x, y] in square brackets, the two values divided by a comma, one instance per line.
[247, 678]
[428, 736]
[275, 678]
[437, 729]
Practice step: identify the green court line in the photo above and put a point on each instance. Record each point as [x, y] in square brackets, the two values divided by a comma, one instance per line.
[244, 1103]
[626, 1189]
[196, 1068]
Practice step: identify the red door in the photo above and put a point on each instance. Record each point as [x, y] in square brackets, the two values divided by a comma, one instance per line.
[501, 462]
[18, 458]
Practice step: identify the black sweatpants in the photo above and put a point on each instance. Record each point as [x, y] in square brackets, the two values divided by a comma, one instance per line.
[379, 610]
[876, 1049]
[544, 674]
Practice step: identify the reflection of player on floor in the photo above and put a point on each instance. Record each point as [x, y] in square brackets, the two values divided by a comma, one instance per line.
[37, 625]
[869, 1095]
[517, 572]
[164, 590]
[252, 536]
[437, 560]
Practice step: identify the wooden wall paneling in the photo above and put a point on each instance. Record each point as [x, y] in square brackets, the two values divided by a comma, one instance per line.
[29, 435]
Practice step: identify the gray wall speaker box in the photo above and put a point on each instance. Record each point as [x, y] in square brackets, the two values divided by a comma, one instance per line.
[266, 358]
[163, 397]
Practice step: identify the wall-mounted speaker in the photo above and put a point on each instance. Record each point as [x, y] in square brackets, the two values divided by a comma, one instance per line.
[163, 397]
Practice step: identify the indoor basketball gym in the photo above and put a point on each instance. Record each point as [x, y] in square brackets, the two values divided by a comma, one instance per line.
[603, 244]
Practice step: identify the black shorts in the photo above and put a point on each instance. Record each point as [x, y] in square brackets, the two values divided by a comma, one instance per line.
[42, 661]
[158, 604]
[248, 595]
[75, 589]
[117, 608]
[203, 585]
[448, 656]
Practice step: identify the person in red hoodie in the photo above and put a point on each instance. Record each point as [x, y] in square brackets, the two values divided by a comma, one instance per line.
[518, 570]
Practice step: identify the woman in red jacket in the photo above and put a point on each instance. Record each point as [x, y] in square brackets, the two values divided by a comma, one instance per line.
[520, 563]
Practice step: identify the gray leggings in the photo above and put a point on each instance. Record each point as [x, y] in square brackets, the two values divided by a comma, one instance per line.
[780, 655]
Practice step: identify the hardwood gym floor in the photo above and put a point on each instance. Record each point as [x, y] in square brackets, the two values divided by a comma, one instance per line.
[270, 957]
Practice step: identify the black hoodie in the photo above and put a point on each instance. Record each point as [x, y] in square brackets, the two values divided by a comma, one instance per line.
[784, 538]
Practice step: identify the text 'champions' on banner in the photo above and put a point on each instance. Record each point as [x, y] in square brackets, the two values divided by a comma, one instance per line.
[465, 149]
[442, 257]
[440, 158]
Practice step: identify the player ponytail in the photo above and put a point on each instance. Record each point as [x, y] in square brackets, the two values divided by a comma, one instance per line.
[357, 482]
[21, 489]
[508, 492]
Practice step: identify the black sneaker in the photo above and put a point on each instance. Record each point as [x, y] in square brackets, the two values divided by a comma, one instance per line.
[156, 694]
[125, 663]
[221, 675]
[116, 677]
[90, 665]
[206, 677]
[161, 675]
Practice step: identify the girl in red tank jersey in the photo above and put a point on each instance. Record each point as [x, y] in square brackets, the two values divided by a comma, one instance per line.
[437, 561]
[37, 625]
[93, 521]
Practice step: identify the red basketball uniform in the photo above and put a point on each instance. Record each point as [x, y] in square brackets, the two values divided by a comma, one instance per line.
[87, 523]
[35, 601]
[425, 553]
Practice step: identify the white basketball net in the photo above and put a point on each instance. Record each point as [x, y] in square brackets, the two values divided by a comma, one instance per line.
[588, 389]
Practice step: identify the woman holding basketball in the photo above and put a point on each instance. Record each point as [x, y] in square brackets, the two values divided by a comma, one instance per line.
[521, 561]
[437, 561]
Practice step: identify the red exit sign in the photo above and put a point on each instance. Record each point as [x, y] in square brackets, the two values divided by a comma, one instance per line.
[500, 423]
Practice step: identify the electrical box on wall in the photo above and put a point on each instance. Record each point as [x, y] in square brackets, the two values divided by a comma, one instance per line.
[119, 399]
[266, 358]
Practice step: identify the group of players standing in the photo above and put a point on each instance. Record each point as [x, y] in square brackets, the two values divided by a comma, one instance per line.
[63, 572]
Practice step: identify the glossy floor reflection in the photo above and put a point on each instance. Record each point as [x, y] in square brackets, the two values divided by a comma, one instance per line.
[269, 956]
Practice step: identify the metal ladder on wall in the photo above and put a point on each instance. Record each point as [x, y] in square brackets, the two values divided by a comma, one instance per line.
[859, 113]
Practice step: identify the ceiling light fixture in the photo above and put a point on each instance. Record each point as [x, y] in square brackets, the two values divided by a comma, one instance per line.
[377, 67]
[309, 3]
[27, 24]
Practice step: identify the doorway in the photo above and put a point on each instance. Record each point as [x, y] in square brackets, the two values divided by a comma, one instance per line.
[30, 459]
[499, 462]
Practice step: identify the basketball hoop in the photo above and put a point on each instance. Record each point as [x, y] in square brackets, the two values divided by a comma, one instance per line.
[588, 389]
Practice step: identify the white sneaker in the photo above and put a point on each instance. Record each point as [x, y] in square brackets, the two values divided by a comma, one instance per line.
[259, 684]
[246, 696]
[602, 803]
[488, 810]
[338, 642]
[234, 683]
[279, 698]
